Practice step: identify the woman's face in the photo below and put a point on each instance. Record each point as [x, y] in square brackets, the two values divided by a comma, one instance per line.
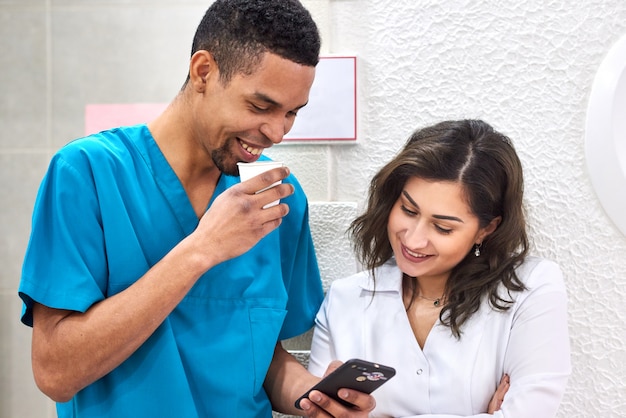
[431, 228]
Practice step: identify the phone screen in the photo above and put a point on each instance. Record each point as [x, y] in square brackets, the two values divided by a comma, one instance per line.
[356, 374]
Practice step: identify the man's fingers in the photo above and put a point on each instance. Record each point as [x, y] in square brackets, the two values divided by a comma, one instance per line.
[362, 401]
[265, 179]
[361, 404]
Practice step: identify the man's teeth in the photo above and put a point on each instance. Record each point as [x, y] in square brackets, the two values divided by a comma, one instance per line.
[411, 253]
[253, 151]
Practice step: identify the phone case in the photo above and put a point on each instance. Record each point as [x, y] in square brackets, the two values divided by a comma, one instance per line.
[356, 374]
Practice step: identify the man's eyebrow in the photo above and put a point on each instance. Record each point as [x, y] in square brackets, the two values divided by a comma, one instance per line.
[265, 98]
[442, 217]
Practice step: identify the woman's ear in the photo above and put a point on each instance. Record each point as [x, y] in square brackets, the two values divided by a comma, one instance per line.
[492, 226]
[202, 67]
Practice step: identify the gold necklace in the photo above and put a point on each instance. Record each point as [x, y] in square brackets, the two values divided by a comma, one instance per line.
[436, 302]
[408, 285]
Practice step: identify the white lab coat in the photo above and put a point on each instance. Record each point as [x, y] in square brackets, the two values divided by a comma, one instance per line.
[450, 377]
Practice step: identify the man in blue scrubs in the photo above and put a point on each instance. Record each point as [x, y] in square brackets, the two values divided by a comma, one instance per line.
[156, 283]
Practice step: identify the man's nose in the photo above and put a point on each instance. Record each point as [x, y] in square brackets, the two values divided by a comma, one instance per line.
[276, 128]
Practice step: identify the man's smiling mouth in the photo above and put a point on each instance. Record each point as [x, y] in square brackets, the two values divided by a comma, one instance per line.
[250, 149]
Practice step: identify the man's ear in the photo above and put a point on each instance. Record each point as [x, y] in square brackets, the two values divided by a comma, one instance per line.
[202, 67]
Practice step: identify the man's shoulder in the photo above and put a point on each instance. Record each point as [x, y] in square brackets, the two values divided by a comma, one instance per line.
[111, 144]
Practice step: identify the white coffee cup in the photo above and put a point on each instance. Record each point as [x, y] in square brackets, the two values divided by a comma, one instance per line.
[249, 170]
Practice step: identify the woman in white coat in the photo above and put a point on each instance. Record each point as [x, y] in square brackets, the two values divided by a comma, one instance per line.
[449, 296]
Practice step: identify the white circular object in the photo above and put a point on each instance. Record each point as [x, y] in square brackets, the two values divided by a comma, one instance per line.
[605, 138]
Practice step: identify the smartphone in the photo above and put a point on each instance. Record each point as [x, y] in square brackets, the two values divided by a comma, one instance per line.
[356, 374]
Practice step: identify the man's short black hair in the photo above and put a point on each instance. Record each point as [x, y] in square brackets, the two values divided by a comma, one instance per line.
[238, 32]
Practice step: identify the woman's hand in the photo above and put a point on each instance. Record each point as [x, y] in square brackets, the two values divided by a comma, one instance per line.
[498, 397]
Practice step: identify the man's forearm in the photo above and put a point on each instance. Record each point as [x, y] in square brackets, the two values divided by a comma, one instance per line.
[287, 380]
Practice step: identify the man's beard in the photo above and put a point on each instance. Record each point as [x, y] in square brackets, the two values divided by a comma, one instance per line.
[224, 160]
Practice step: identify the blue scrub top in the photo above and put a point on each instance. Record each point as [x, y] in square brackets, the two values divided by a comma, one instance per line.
[108, 209]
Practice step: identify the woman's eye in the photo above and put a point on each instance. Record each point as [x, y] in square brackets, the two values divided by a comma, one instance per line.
[443, 230]
[408, 211]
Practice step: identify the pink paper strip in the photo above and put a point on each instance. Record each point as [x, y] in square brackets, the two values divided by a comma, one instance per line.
[99, 117]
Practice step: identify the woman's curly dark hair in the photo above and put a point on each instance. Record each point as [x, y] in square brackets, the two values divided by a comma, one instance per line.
[485, 164]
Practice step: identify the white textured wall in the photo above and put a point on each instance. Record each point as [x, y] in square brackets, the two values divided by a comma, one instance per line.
[526, 67]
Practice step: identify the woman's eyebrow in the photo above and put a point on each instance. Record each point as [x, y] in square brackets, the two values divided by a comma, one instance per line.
[442, 217]
[448, 218]
[409, 198]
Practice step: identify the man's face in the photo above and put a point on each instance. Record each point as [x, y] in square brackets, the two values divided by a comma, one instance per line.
[237, 121]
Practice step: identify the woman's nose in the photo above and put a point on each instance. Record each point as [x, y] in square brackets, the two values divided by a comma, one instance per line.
[416, 236]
